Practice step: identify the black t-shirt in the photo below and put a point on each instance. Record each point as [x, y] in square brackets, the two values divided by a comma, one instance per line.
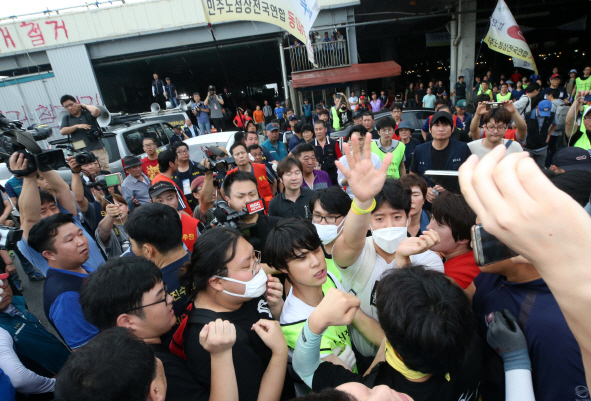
[181, 386]
[458, 134]
[374, 134]
[257, 235]
[250, 354]
[462, 385]
[440, 90]
[421, 94]
[90, 140]
[438, 159]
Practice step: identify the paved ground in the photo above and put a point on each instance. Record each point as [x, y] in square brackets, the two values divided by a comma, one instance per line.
[33, 292]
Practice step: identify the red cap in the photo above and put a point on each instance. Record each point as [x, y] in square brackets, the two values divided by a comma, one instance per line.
[555, 76]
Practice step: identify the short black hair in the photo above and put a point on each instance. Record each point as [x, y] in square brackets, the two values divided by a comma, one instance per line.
[319, 122]
[65, 98]
[247, 133]
[307, 127]
[239, 136]
[426, 318]
[332, 199]
[394, 195]
[149, 138]
[482, 98]
[287, 238]
[177, 145]
[396, 106]
[453, 211]
[297, 128]
[127, 280]
[440, 101]
[42, 234]
[145, 226]
[253, 147]
[288, 109]
[124, 372]
[555, 93]
[287, 164]
[237, 145]
[164, 158]
[301, 148]
[46, 197]
[211, 253]
[359, 129]
[196, 93]
[368, 113]
[576, 183]
[238, 176]
[531, 87]
[385, 123]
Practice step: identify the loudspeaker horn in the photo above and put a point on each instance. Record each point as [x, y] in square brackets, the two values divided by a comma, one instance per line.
[61, 116]
[105, 118]
[183, 106]
[168, 105]
[155, 107]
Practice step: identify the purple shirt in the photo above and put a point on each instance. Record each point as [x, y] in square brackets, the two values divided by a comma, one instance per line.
[321, 180]
[376, 105]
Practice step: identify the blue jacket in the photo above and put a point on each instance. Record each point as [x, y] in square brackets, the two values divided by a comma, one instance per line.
[278, 154]
[307, 110]
[189, 133]
[557, 366]
[458, 153]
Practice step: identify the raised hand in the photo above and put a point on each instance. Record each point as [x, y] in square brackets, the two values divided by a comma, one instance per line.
[337, 308]
[509, 106]
[274, 291]
[270, 332]
[481, 109]
[218, 336]
[362, 177]
[415, 245]
[112, 210]
[75, 167]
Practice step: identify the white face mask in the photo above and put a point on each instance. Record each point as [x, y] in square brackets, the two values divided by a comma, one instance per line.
[253, 288]
[328, 232]
[388, 239]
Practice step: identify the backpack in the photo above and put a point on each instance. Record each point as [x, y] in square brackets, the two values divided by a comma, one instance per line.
[561, 112]
[197, 316]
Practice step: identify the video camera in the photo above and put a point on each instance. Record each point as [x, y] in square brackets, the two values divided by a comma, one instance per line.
[16, 139]
[103, 182]
[217, 159]
[82, 157]
[223, 215]
[211, 90]
[9, 236]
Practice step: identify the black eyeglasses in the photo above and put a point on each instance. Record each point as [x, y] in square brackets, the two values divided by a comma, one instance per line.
[329, 219]
[154, 303]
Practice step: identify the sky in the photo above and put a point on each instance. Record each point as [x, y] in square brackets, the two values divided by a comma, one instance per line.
[10, 8]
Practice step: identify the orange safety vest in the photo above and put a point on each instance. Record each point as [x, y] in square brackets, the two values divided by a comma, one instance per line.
[189, 230]
[260, 173]
[161, 177]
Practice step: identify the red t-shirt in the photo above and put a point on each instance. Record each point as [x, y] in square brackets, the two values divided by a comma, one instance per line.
[515, 77]
[462, 269]
[150, 167]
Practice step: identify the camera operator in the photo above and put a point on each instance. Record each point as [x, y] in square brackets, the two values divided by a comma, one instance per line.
[215, 103]
[36, 205]
[81, 125]
[91, 208]
[201, 111]
[265, 183]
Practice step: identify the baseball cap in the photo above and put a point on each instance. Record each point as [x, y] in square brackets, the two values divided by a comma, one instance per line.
[362, 97]
[445, 93]
[442, 115]
[131, 161]
[278, 102]
[545, 108]
[293, 117]
[198, 182]
[403, 124]
[573, 70]
[373, 93]
[160, 187]
[572, 158]
[272, 127]
[462, 104]
[555, 76]
[357, 114]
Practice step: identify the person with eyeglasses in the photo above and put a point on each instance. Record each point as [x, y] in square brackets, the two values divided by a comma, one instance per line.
[496, 123]
[187, 171]
[156, 233]
[329, 207]
[150, 162]
[224, 280]
[139, 300]
[387, 144]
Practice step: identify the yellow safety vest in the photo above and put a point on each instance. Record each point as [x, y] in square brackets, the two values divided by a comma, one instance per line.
[501, 97]
[488, 92]
[583, 141]
[397, 155]
[336, 121]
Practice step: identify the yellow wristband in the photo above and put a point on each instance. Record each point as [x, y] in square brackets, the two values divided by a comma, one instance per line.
[361, 212]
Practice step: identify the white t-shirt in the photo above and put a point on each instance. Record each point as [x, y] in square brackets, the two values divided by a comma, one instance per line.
[376, 161]
[354, 99]
[430, 260]
[477, 148]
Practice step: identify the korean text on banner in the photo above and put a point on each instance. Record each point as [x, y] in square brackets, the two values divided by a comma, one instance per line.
[295, 16]
[505, 36]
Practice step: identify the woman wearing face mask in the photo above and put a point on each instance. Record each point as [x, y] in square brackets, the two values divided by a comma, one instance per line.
[226, 282]
[418, 218]
[382, 206]
[329, 207]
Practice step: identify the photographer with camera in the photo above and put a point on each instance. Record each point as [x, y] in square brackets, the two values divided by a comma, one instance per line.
[37, 205]
[168, 164]
[265, 183]
[201, 111]
[215, 103]
[81, 125]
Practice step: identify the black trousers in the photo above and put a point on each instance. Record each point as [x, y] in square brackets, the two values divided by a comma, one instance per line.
[219, 124]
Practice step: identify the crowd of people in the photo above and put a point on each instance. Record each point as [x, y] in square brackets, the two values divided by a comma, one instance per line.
[308, 268]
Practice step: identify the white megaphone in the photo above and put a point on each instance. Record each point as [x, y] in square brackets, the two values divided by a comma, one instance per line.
[183, 106]
[155, 107]
[60, 116]
[168, 105]
[105, 118]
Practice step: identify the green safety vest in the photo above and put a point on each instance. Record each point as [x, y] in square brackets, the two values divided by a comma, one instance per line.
[583, 141]
[500, 97]
[398, 154]
[331, 267]
[583, 85]
[336, 121]
[334, 336]
[488, 92]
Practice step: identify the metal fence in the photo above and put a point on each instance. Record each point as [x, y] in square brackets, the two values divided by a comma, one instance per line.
[326, 55]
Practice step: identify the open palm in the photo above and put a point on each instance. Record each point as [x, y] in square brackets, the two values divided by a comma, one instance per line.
[365, 181]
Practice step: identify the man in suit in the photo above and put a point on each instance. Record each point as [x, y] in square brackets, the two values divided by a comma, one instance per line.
[191, 130]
